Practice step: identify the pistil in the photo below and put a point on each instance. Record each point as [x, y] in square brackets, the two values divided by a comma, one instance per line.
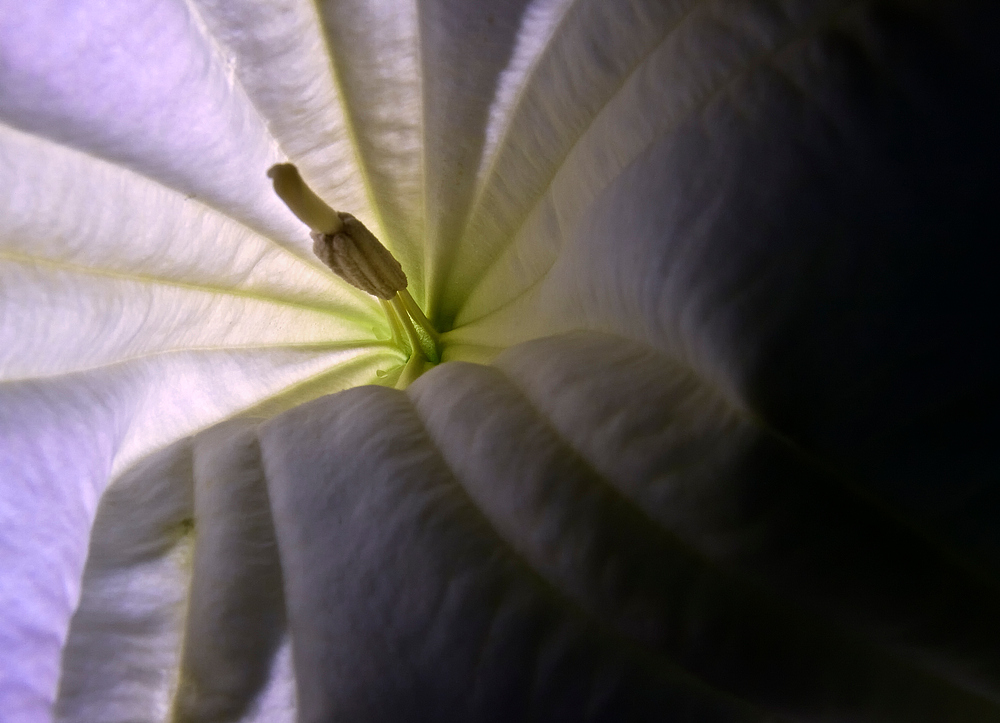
[302, 201]
[353, 252]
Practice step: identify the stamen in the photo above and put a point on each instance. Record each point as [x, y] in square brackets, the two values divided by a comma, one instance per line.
[418, 316]
[356, 256]
[415, 366]
[352, 252]
[390, 314]
[411, 333]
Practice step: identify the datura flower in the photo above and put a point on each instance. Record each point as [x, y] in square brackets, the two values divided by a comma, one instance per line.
[703, 425]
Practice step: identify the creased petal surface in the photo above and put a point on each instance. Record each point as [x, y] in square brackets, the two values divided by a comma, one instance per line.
[780, 212]
[539, 538]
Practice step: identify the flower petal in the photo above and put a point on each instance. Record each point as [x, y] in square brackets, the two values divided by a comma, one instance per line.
[149, 576]
[139, 83]
[810, 237]
[598, 85]
[280, 57]
[131, 316]
[404, 604]
[62, 439]
[474, 57]
[586, 528]
[425, 86]
[374, 48]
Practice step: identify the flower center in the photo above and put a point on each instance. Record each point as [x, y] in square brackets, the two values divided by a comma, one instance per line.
[353, 252]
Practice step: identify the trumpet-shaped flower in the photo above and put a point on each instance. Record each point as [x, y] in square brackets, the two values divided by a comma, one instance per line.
[712, 435]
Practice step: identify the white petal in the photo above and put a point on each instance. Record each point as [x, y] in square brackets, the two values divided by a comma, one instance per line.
[599, 51]
[56, 451]
[236, 610]
[793, 172]
[123, 658]
[374, 48]
[139, 83]
[150, 282]
[280, 57]
[588, 526]
[404, 604]
[201, 637]
[748, 234]
[420, 87]
[66, 206]
[473, 58]
[62, 439]
[105, 271]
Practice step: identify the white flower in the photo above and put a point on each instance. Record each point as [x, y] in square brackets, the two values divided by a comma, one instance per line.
[760, 195]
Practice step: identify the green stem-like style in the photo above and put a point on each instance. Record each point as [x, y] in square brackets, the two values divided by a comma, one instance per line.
[418, 316]
[394, 325]
[416, 348]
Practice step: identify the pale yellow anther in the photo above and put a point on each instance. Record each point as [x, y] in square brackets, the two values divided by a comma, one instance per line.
[356, 256]
[302, 201]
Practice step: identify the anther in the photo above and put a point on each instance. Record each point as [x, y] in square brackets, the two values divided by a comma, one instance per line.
[356, 256]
